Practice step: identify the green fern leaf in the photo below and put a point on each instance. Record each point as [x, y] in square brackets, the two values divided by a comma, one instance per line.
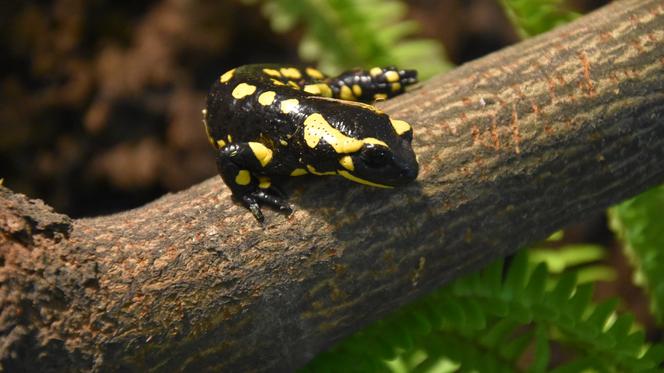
[431, 308]
[498, 333]
[579, 302]
[576, 366]
[515, 281]
[537, 283]
[542, 354]
[492, 277]
[452, 312]
[466, 328]
[654, 354]
[535, 17]
[342, 34]
[417, 323]
[515, 347]
[639, 223]
[601, 313]
[474, 315]
[621, 327]
[564, 288]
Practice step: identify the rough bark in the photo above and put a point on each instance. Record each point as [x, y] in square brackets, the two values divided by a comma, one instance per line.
[512, 147]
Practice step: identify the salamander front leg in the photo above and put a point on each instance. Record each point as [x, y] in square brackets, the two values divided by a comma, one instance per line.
[239, 165]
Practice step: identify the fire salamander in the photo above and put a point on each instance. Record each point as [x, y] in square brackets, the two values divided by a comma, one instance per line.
[273, 120]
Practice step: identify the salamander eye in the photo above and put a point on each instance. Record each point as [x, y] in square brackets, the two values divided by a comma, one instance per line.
[375, 156]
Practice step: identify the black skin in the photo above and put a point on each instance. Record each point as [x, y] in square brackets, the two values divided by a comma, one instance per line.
[246, 120]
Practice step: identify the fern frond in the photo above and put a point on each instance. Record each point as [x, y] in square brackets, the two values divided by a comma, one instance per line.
[639, 223]
[580, 258]
[533, 17]
[341, 34]
[488, 320]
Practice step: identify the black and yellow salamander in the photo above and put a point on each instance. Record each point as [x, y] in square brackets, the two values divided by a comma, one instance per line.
[273, 120]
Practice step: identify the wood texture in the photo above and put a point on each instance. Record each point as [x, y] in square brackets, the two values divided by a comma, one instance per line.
[511, 147]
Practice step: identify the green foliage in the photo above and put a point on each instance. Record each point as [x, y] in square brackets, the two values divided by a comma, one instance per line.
[490, 321]
[640, 225]
[342, 34]
[579, 258]
[533, 17]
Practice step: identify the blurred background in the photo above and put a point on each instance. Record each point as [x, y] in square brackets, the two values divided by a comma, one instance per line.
[100, 100]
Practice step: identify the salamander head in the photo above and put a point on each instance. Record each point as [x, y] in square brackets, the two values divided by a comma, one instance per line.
[368, 146]
[382, 161]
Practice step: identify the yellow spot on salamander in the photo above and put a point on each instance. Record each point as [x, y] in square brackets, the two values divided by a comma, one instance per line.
[314, 73]
[291, 72]
[261, 152]
[293, 84]
[277, 82]
[357, 90]
[375, 71]
[221, 143]
[380, 96]
[299, 172]
[356, 179]
[227, 76]
[347, 162]
[264, 182]
[289, 105]
[272, 72]
[283, 142]
[400, 126]
[345, 93]
[266, 98]
[313, 171]
[243, 90]
[392, 76]
[319, 89]
[210, 138]
[243, 178]
[230, 139]
[375, 141]
[396, 86]
[312, 88]
[317, 128]
[325, 90]
[207, 130]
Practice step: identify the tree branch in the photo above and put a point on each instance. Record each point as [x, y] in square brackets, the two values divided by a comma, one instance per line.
[511, 147]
